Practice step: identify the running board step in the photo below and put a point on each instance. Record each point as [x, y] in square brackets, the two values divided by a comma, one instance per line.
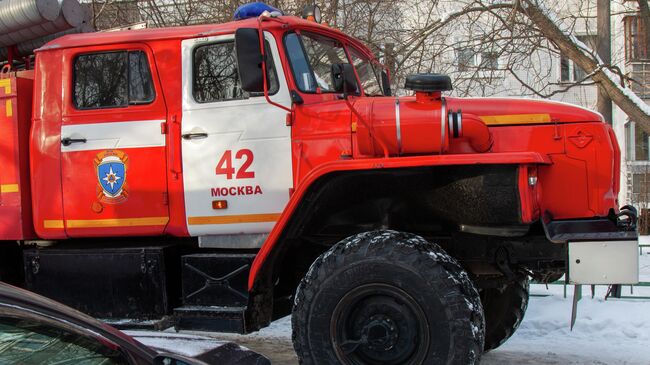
[213, 319]
[215, 292]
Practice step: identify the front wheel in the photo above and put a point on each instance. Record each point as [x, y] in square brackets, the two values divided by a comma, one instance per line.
[386, 297]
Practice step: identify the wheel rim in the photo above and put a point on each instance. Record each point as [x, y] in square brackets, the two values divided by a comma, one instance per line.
[379, 323]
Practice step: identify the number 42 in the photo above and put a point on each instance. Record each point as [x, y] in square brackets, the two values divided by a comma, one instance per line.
[225, 164]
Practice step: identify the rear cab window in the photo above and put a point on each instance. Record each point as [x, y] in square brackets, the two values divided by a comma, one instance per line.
[114, 79]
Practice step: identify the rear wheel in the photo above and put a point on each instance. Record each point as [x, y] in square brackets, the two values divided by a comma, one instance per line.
[504, 310]
[386, 297]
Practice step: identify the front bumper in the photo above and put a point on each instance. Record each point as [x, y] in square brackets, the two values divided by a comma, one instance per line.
[601, 250]
[595, 229]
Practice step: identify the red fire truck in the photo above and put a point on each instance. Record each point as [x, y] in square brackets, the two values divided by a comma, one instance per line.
[216, 177]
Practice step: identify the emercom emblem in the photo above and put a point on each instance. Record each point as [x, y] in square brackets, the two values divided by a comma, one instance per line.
[111, 167]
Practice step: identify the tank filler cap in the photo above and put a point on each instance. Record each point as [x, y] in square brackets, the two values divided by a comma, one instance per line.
[428, 83]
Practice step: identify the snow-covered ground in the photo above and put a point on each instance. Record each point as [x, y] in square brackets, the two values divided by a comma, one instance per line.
[180, 343]
[616, 331]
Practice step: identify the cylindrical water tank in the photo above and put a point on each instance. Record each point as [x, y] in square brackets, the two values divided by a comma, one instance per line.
[27, 48]
[19, 14]
[71, 16]
[415, 126]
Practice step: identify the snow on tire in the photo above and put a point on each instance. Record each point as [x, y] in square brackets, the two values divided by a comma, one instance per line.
[387, 297]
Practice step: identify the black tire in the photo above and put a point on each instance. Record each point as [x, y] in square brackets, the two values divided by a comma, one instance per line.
[414, 303]
[504, 310]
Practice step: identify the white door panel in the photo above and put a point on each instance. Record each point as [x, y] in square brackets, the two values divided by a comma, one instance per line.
[251, 140]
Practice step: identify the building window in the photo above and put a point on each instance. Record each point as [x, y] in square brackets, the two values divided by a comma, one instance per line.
[489, 61]
[629, 137]
[637, 143]
[640, 187]
[569, 71]
[466, 59]
[640, 144]
[636, 42]
[112, 80]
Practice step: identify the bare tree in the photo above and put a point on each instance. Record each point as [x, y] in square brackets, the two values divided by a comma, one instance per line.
[609, 78]
[488, 46]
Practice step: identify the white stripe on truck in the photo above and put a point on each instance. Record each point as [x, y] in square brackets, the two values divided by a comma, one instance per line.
[112, 135]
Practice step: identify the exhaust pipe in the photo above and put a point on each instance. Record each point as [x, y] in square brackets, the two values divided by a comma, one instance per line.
[472, 128]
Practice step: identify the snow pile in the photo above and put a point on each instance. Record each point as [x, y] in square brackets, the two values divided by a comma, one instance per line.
[616, 331]
[183, 344]
[606, 332]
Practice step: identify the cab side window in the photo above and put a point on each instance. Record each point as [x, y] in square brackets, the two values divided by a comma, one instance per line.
[140, 83]
[215, 77]
[112, 80]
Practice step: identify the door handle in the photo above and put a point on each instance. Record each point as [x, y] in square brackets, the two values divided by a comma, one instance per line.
[200, 135]
[68, 141]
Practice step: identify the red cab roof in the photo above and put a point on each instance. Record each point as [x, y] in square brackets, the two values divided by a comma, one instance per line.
[184, 32]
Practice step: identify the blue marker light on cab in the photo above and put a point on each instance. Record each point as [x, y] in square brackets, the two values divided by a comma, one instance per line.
[253, 10]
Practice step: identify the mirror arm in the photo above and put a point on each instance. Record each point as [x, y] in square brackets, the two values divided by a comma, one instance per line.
[263, 51]
[360, 118]
[372, 135]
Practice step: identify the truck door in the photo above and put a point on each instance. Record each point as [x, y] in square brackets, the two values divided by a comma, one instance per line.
[112, 145]
[236, 147]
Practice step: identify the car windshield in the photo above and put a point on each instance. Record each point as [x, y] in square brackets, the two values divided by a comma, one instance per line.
[312, 67]
[29, 343]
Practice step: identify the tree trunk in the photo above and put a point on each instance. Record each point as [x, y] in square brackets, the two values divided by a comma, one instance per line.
[604, 49]
[644, 9]
[630, 104]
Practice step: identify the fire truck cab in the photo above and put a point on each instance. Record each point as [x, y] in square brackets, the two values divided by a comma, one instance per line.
[221, 176]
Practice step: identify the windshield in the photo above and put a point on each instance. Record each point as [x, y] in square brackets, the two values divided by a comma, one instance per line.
[312, 56]
[369, 74]
[25, 341]
[312, 68]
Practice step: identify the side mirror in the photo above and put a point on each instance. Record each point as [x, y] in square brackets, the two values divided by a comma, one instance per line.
[385, 83]
[344, 79]
[249, 59]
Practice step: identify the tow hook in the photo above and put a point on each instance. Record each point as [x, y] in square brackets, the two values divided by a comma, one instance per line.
[626, 218]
